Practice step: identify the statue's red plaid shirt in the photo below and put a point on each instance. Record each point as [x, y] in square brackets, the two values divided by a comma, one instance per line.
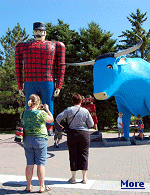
[38, 59]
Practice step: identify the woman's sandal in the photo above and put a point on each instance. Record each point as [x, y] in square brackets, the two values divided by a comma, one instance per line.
[45, 190]
[84, 181]
[28, 191]
[72, 181]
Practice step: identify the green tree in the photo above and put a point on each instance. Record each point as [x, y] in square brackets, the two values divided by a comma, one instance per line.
[70, 38]
[136, 19]
[80, 46]
[83, 46]
[95, 42]
[10, 101]
[1, 58]
[61, 32]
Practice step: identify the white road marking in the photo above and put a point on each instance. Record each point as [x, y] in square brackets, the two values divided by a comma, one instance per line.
[63, 183]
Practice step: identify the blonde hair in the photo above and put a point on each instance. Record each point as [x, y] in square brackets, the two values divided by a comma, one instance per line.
[33, 100]
[120, 113]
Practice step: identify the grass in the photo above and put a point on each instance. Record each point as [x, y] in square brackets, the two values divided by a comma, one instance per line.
[115, 130]
[7, 131]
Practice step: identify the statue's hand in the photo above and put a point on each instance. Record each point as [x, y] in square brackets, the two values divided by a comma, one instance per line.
[56, 92]
[21, 93]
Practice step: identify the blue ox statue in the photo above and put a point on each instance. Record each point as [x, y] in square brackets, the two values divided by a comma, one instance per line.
[127, 79]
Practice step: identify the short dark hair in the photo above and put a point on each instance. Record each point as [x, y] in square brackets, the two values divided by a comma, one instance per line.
[138, 116]
[76, 99]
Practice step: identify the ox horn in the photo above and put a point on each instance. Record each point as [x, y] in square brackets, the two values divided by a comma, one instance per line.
[92, 62]
[126, 51]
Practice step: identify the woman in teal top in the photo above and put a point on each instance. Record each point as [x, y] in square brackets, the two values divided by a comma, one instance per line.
[35, 139]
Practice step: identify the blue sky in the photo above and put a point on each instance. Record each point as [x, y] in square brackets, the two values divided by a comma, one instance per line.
[111, 15]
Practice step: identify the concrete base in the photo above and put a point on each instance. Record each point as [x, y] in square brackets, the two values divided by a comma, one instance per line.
[96, 136]
[135, 140]
[116, 142]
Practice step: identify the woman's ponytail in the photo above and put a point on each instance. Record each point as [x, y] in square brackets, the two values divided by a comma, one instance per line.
[30, 103]
[33, 100]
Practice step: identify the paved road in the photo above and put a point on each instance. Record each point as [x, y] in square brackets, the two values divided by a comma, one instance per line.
[107, 167]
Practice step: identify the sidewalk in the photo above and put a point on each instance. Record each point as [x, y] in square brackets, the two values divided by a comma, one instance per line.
[107, 167]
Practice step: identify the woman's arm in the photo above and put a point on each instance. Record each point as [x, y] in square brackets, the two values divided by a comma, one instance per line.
[50, 118]
[90, 121]
[62, 116]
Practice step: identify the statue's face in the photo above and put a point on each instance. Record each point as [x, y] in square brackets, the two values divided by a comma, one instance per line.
[39, 34]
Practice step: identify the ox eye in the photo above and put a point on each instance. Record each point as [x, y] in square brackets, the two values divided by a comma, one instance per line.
[110, 66]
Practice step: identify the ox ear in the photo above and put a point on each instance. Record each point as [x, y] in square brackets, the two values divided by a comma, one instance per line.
[121, 61]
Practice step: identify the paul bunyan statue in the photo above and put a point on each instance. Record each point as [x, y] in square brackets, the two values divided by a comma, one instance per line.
[35, 64]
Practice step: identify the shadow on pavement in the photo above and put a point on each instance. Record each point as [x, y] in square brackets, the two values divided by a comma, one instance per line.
[12, 185]
[50, 155]
[35, 183]
[63, 146]
[8, 191]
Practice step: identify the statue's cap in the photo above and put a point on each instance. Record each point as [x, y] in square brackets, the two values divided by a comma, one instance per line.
[39, 26]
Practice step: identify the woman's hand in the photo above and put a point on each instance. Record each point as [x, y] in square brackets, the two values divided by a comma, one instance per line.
[46, 107]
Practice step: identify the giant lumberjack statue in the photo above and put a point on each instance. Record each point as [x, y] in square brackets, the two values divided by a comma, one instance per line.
[37, 60]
